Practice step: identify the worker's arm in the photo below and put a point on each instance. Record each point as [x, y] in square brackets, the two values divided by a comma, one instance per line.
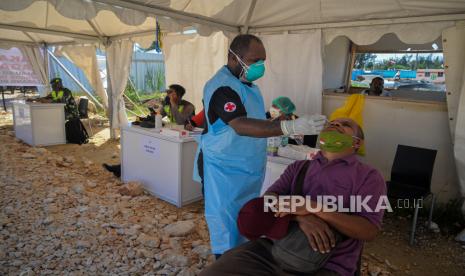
[256, 128]
[198, 120]
[225, 104]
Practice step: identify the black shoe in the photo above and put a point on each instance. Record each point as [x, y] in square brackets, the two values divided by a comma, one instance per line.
[116, 169]
[108, 167]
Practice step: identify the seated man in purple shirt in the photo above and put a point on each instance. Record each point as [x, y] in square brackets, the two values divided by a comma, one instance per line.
[335, 171]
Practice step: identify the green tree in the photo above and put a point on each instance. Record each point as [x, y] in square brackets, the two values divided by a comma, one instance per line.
[362, 60]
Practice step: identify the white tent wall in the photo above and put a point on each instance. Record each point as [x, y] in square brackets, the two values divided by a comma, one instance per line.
[191, 60]
[294, 68]
[119, 54]
[335, 61]
[86, 59]
[454, 59]
[388, 123]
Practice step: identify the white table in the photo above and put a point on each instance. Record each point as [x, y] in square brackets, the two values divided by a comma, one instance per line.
[275, 166]
[163, 164]
[40, 124]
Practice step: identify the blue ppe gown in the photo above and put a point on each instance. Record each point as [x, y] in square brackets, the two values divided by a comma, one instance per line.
[234, 165]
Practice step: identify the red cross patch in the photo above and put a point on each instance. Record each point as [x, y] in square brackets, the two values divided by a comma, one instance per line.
[229, 107]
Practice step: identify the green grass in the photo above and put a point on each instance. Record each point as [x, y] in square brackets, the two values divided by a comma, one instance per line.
[137, 97]
[359, 84]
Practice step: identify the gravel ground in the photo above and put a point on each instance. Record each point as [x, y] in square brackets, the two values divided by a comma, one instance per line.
[62, 214]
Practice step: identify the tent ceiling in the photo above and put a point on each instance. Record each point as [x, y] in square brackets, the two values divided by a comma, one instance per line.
[297, 12]
[76, 21]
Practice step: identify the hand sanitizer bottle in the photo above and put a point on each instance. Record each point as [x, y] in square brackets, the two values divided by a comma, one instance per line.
[158, 122]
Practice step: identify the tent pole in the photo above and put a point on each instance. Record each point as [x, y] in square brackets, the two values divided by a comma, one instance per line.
[74, 79]
[46, 63]
[245, 29]
[110, 95]
[3, 97]
[350, 66]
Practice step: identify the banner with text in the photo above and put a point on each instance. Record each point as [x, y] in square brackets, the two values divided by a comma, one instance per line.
[15, 69]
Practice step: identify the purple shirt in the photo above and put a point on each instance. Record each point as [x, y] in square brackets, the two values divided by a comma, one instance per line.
[345, 177]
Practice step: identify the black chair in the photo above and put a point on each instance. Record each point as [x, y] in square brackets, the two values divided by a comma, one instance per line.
[411, 179]
[83, 112]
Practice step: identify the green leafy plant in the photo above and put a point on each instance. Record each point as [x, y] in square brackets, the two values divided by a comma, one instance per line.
[154, 78]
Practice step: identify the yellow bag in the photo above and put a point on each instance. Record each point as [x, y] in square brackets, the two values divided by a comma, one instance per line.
[353, 109]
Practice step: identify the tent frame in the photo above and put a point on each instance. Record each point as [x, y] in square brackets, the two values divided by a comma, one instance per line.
[157, 10]
[167, 12]
[361, 23]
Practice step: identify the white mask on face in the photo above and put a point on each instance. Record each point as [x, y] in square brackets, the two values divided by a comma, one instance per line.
[274, 112]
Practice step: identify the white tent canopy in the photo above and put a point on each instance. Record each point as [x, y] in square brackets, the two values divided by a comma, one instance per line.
[72, 22]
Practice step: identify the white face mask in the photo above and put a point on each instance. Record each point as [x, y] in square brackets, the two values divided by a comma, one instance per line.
[274, 112]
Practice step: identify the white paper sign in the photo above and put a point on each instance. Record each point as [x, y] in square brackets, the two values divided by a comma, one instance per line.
[15, 69]
[150, 147]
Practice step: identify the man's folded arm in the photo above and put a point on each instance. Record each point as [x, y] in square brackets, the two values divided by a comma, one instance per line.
[353, 226]
[363, 225]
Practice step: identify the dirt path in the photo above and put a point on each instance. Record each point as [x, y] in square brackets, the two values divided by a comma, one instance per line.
[61, 213]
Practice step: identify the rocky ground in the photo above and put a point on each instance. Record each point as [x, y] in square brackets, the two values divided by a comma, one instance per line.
[62, 214]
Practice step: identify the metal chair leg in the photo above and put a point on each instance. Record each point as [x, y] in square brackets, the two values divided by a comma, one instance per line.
[414, 223]
[430, 216]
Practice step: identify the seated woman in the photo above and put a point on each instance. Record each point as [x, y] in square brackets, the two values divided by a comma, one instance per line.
[282, 108]
[174, 107]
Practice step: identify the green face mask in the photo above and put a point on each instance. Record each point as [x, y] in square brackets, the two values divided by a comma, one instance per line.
[333, 141]
[253, 71]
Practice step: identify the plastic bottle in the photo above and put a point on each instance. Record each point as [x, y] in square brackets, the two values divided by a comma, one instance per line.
[158, 122]
[273, 144]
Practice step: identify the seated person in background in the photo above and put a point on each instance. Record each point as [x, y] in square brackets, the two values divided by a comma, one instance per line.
[62, 94]
[175, 108]
[282, 108]
[377, 88]
[335, 171]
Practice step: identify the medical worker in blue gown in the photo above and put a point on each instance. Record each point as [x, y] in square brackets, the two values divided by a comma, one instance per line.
[232, 159]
